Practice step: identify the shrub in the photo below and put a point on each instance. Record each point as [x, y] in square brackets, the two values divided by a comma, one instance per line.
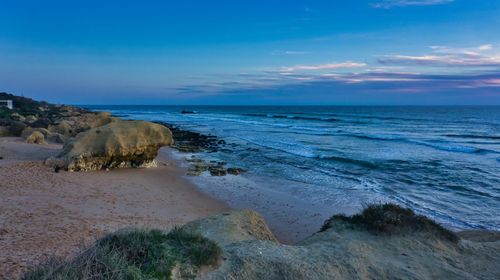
[135, 255]
[391, 219]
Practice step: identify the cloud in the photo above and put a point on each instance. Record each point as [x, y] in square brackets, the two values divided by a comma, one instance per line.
[470, 71]
[290, 52]
[328, 66]
[481, 56]
[387, 4]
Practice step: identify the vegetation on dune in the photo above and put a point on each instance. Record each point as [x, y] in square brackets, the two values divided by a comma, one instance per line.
[391, 219]
[135, 254]
[22, 105]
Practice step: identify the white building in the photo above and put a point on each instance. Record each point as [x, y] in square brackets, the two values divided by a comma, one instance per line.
[7, 103]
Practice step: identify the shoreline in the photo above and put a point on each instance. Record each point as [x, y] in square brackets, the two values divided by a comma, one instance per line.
[290, 218]
[46, 214]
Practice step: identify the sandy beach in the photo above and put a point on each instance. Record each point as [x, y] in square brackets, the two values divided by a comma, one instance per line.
[44, 213]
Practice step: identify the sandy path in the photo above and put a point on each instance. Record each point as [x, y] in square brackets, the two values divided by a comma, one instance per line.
[43, 213]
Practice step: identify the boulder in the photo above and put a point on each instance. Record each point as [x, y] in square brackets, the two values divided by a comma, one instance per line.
[344, 251]
[115, 145]
[35, 138]
[63, 128]
[233, 227]
[4, 131]
[49, 136]
[29, 130]
[57, 138]
[235, 170]
[16, 128]
[41, 122]
[31, 119]
[88, 121]
[17, 117]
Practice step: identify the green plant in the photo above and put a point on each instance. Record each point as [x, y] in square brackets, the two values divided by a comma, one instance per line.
[135, 255]
[391, 219]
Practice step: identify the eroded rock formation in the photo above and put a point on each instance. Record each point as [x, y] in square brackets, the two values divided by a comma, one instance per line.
[117, 144]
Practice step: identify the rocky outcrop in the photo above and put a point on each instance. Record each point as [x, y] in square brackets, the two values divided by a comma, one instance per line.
[35, 137]
[49, 136]
[344, 251]
[4, 131]
[63, 128]
[16, 128]
[118, 144]
[61, 121]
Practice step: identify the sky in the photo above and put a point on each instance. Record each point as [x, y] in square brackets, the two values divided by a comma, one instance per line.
[221, 52]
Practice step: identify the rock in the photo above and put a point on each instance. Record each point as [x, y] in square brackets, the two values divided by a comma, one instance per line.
[57, 138]
[116, 145]
[217, 171]
[49, 136]
[36, 138]
[31, 119]
[16, 128]
[17, 117]
[4, 131]
[63, 128]
[342, 252]
[192, 142]
[87, 121]
[187, 112]
[41, 123]
[29, 130]
[235, 170]
[229, 228]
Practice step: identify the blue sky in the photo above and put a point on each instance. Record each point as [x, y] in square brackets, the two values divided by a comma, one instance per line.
[378, 52]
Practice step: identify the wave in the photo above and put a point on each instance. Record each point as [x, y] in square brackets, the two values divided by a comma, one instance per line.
[439, 146]
[473, 136]
[291, 117]
[455, 148]
[376, 137]
[298, 150]
[348, 160]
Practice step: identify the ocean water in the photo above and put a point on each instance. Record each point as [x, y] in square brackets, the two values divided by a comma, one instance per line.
[443, 162]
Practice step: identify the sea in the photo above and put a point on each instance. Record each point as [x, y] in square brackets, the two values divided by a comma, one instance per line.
[443, 162]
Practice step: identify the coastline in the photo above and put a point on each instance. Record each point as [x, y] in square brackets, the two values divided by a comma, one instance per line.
[47, 214]
[290, 218]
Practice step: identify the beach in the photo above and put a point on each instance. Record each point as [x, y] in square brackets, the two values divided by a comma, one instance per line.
[45, 214]
[203, 215]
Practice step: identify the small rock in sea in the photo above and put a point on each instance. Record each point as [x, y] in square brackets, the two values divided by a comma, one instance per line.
[187, 112]
[235, 170]
[217, 172]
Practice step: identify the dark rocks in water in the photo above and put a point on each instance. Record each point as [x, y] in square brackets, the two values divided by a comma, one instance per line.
[215, 168]
[218, 172]
[235, 170]
[192, 142]
[187, 112]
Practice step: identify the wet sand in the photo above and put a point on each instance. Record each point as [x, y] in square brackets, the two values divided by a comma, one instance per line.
[43, 213]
